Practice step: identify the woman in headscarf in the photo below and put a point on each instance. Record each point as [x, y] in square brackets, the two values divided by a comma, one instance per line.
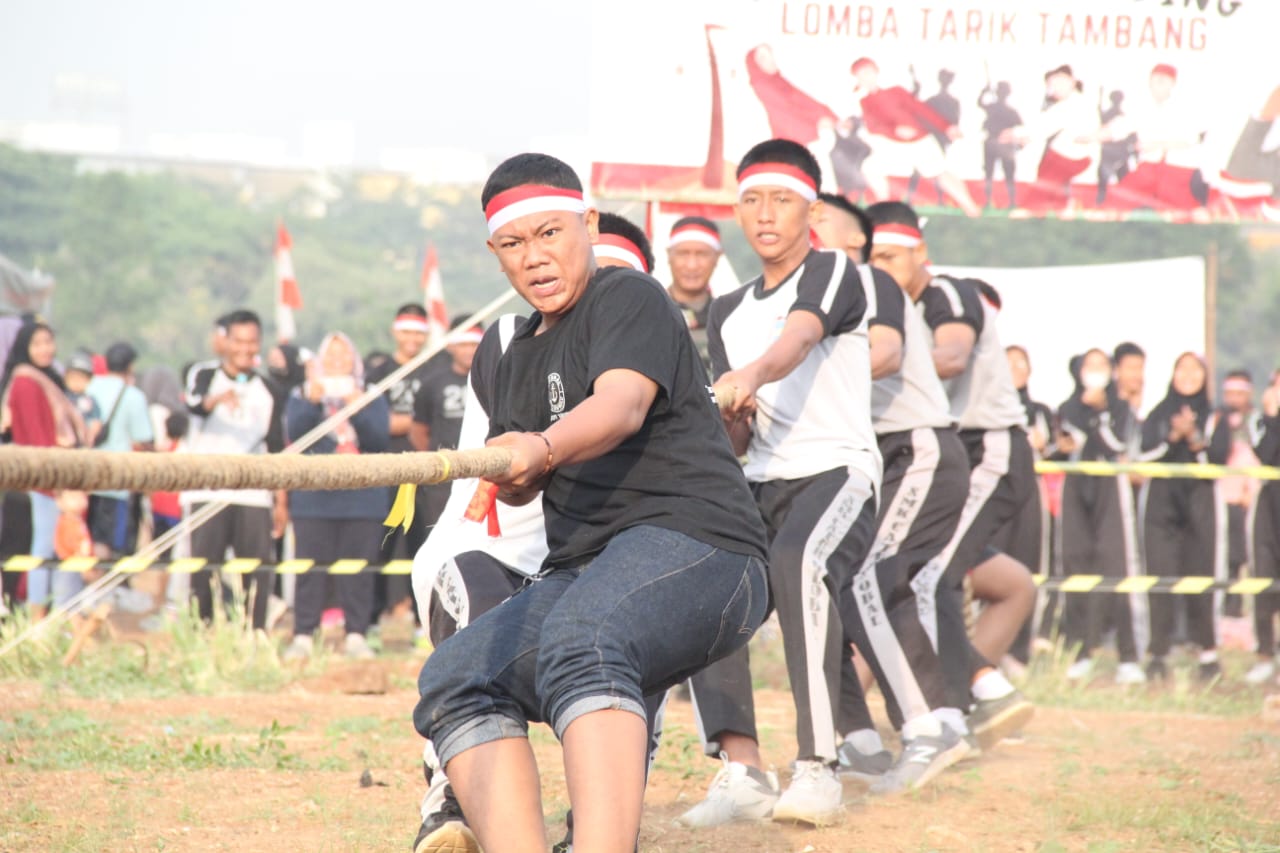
[340, 524]
[35, 411]
[1184, 520]
[1097, 535]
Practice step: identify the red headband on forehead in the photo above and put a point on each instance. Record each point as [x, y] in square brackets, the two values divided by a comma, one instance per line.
[1165, 69]
[778, 175]
[897, 234]
[410, 323]
[620, 248]
[530, 198]
[695, 233]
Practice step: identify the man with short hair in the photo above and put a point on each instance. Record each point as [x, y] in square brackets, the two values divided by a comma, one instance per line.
[923, 489]
[113, 524]
[970, 360]
[693, 250]
[409, 330]
[1129, 367]
[601, 403]
[236, 410]
[437, 410]
[790, 348]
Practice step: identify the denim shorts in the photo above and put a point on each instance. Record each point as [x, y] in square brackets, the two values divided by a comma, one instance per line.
[650, 610]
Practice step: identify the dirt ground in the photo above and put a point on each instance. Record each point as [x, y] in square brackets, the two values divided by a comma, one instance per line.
[282, 772]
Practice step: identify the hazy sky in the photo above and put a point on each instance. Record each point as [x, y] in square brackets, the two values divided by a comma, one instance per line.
[431, 73]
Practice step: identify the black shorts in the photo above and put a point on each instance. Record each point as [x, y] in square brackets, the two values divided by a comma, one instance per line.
[114, 522]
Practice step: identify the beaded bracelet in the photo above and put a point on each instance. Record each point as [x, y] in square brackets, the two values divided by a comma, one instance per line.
[550, 456]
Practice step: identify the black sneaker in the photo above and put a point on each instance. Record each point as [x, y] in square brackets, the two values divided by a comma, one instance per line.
[1157, 670]
[853, 764]
[992, 720]
[446, 831]
[566, 845]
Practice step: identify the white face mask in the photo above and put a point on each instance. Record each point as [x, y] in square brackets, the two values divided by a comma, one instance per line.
[1095, 379]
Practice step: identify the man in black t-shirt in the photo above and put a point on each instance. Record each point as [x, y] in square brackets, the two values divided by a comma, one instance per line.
[409, 331]
[655, 561]
[437, 413]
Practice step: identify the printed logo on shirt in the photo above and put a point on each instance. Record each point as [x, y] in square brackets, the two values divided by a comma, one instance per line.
[454, 402]
[555, 395]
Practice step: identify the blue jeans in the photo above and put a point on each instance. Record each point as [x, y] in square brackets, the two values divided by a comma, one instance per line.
[44, 521]
[650, 610]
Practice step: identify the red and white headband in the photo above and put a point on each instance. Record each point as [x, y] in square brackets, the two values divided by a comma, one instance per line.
[1238, 383]
[777, 175]
[410, 323]
[620, 248]
[894, 234]
[695, 233]
[530, 198]
[473, 335]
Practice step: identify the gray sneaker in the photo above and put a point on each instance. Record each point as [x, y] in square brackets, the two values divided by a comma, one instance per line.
[992, 720]
[921, 760]
[859, 765]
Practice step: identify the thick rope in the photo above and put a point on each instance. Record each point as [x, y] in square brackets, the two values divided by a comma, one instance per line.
[162, 543]
[27, 468]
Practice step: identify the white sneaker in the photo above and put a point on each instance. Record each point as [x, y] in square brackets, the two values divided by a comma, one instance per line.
[734, 795]
[356, 647]
[813, 797]
[1261, 672]
[1130, 673]
[922, 759]
[299, 648]
[1080, 670]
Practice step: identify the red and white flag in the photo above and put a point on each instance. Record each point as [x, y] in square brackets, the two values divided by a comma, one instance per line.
[433, 296]
[288, 296]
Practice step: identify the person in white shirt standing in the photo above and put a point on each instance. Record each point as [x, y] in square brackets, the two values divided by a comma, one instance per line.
[235, 410]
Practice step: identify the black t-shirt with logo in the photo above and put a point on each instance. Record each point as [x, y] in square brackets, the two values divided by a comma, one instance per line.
[401, 396]
[439, 405]
[677, 472]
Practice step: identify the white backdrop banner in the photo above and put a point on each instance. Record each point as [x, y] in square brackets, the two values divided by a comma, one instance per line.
[1097, 108]
[1059, 312]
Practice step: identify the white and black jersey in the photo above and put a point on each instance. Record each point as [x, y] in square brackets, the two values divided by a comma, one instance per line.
[678, 472]
[983, 395]
[913, 397]
[818, 417]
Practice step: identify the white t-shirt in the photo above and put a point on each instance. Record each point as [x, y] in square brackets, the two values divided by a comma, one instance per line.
[818, 417]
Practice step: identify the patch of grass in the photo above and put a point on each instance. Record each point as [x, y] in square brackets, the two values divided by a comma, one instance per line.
[1184, 824]
[71, 740]
[184, 656]
[1046, 683]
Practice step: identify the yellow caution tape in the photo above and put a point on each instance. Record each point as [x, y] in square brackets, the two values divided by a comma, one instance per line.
[1139, 583]
[1159, 470]
[241, 566]
[77, 564]
[295, 567]
[347, 567]
[1080, 583]
[398, 567]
